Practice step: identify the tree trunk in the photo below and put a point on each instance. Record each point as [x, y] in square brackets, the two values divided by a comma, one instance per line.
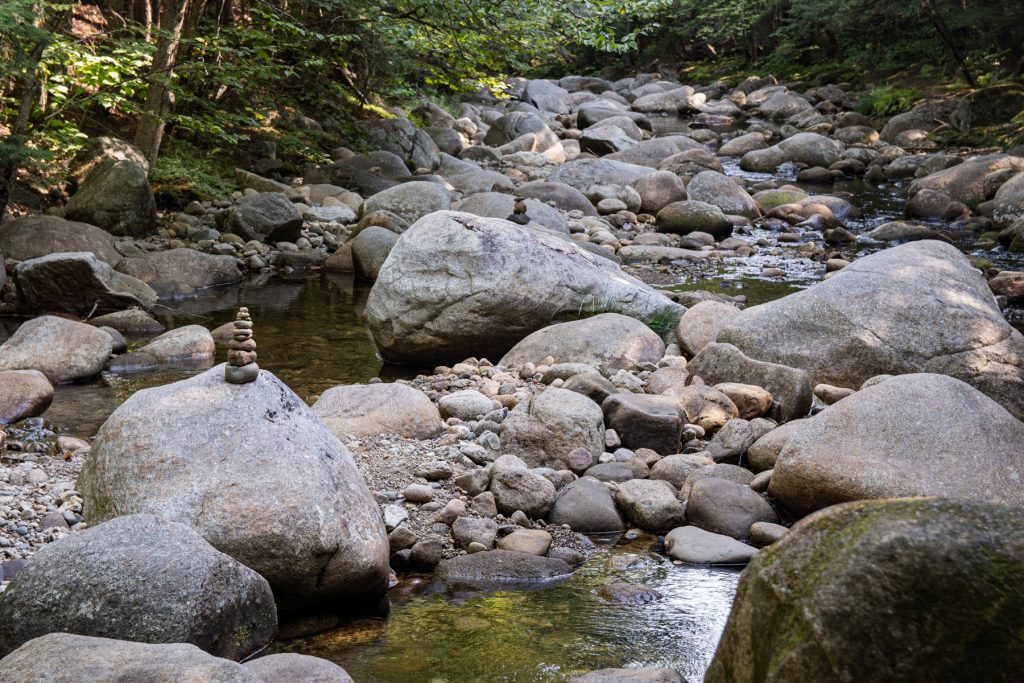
[940, 27]
[27, 87]
[173, 20]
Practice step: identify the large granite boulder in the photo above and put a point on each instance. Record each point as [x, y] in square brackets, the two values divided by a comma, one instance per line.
[34, 236]
[67, 658]
[286, 667]
[564, 197]
[63, 350]
[372, 409]
[917, 307]
[175, 273]
[966, 182]
[77, 283]
[609, 340]
[458, 285]
[587, 506]
[501, 205]
[501, 569]
[909, 590]
[911, 435]
[722, 191]
[403, 138]
[140, 578]
[116, 197]
[256, 473]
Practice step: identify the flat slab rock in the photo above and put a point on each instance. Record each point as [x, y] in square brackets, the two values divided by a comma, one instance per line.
[501, 567]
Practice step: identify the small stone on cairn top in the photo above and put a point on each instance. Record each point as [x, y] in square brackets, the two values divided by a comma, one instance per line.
[241, 367]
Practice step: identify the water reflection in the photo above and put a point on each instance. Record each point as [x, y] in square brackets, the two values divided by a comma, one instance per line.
[309, 331]
[526, 636]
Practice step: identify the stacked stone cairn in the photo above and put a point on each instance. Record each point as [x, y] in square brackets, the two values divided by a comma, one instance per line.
[241, 367]
[519, 215]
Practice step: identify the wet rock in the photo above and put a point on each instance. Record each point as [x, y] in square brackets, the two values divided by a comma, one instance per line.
[77, 283]
[691, 545]
[116, 197]
[63, 657]
[629, 594]
[501, 568]
[877, 316]
[911, 435]
[443, 293]
[63, 350]
[158, 581]
[649, 675]
[813, 581]
[256, 473]
[370, 409]
[23, 393]
[606, 341]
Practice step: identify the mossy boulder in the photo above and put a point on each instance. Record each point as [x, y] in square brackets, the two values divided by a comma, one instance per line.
[913, 589]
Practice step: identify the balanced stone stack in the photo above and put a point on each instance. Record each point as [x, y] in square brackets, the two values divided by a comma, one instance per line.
[241, 367]
[519, 215]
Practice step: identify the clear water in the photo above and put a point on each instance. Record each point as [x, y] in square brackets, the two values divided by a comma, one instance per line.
[540, 635]
[311, 335]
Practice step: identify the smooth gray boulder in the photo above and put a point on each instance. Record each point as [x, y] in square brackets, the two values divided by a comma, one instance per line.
[807, 607]
[372, 409]
[725, 507]
[718, 189]
[140, 578]
[692, 545]
[545, 428]
[67, 658]
[608, 340]
[23, 393]
[587, 506]
[63, 350]
[33, 236]
[291, 667]
[682, 218]
[116, 197]
[700, 324]
[911, 435]
[77, 283]
[410, 201]
[444, 294]
[809, 149]
[176, 273]
[658, 190]
[966, 182]
[582, 173]
[520, 489]
[191, 342]
[564, 197]
[256, 473]
[878, 316]
[370, 249]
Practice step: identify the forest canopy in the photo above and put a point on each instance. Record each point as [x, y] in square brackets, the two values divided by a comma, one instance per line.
[211, 71]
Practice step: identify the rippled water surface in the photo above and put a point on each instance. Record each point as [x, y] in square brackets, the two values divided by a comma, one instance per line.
[541, 635]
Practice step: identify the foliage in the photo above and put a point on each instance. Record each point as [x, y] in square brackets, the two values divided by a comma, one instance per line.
[180, 171]
[887, 100]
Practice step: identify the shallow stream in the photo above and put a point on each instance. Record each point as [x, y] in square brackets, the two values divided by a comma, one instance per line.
[311, 336]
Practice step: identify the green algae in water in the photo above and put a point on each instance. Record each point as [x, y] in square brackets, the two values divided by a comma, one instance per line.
[539, 635]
